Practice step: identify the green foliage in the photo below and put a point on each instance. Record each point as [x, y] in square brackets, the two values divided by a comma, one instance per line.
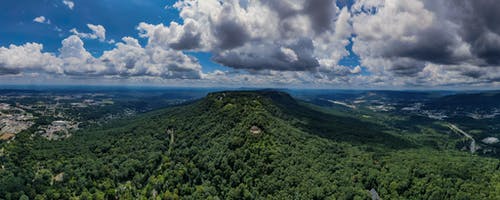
[216, 156]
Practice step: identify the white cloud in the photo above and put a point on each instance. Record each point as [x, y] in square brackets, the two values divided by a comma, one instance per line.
[69, 3]
[289, 54]
[425, 42]
[400, 43]
[28, 57]
[258, 35]
[41, 20]
[128, 59]
[98, 32]
[292, 41]
[72, 47]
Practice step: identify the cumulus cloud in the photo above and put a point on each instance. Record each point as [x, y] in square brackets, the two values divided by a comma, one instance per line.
[41, 20]
[179, 37]
[399, 43]
[290, 35]
[69, 3]
[128, 59]
[296, 56]
[98, 32]
[415, 38]
[28, 57]
[72, 47]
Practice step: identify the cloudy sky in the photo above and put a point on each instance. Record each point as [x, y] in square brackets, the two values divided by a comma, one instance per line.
[381, 44]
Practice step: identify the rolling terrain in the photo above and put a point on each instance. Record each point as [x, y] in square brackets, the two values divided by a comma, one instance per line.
[243, 145]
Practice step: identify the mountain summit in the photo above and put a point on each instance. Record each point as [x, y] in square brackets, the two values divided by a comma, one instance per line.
[240, 145]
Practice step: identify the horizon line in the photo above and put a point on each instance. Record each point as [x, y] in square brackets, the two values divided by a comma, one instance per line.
[135, 86]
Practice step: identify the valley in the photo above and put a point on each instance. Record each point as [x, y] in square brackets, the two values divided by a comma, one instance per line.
[56, 113]
[250, 100]
[427, 113]
[263, 144]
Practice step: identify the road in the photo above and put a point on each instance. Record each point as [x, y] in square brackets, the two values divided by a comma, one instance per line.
[473, 147]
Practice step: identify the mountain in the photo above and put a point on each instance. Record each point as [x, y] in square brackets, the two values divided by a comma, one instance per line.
[241, 145]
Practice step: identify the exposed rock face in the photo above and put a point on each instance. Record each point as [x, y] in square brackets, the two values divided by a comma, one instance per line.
[58, 178]
[255, 130]
[374, 194]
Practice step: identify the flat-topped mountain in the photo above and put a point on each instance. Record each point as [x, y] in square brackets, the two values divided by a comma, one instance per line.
[241, 145]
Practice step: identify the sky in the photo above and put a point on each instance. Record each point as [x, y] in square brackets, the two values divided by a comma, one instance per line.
[341, 44]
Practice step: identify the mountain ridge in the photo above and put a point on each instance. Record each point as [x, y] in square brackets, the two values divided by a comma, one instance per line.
[215, 155]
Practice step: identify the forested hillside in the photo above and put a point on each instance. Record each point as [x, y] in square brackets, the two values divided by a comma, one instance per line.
[241, 145]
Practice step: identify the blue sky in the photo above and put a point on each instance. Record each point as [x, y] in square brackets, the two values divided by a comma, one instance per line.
[304, 43]
[120, 17]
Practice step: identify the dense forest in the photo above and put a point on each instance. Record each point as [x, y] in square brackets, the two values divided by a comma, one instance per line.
[241, 145]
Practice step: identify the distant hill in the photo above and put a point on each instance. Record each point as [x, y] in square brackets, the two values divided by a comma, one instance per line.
[468, 101]
[241, 145]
